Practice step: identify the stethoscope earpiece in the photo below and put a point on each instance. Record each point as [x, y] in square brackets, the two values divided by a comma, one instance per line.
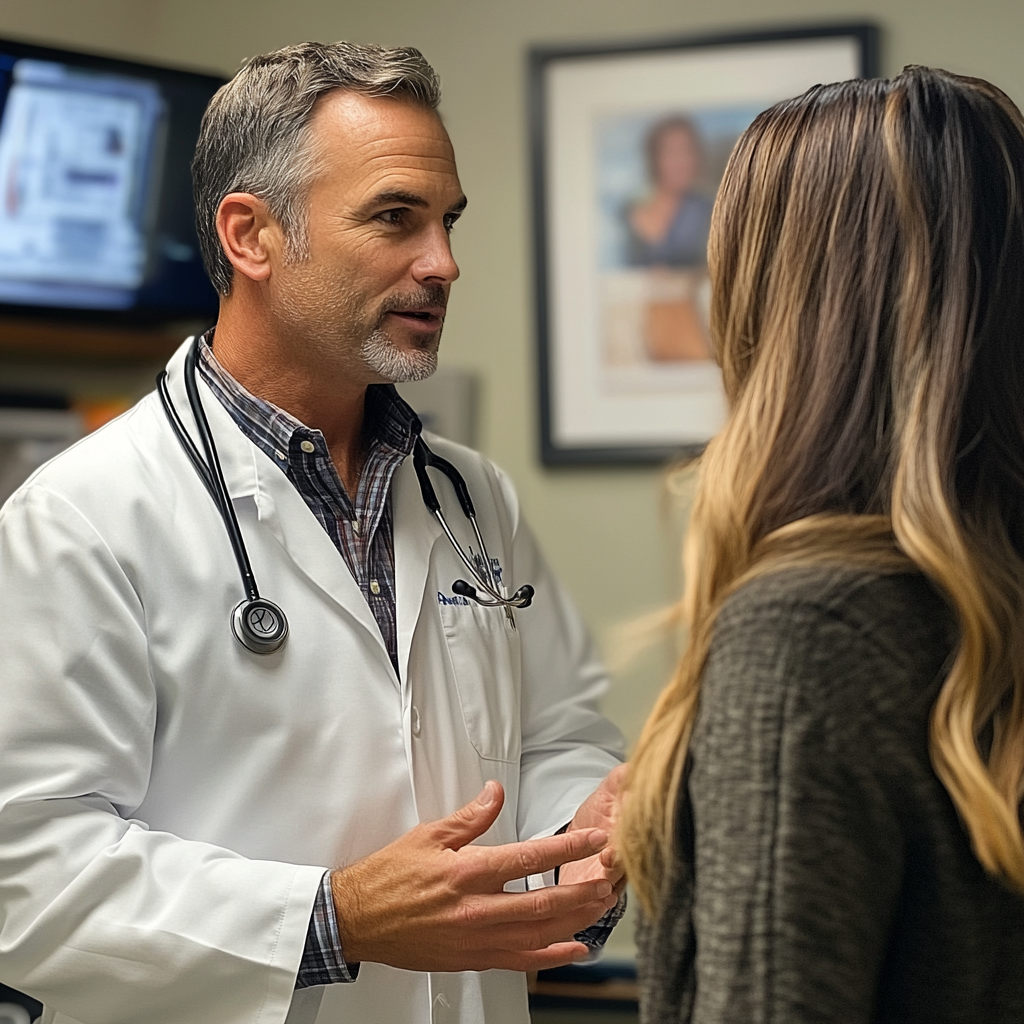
[522, 598]
[259, 625]
[488, 591]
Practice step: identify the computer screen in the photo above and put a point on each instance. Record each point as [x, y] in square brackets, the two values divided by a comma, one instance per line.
[96, 213]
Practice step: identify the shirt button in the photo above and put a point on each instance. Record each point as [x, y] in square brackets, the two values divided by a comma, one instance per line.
[280, 455]
[415, 715]
[356, 528]
[308, 447]
[374, 587]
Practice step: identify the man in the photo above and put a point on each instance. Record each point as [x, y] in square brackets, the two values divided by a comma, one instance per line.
[194, 832]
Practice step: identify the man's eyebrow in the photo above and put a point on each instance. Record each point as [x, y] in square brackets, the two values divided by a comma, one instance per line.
[397, 195]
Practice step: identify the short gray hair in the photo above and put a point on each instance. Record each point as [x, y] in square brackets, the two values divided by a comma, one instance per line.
[255, 136]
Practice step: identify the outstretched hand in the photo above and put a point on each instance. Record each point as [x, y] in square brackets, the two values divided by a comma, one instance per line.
[600, 810]
[430, 901]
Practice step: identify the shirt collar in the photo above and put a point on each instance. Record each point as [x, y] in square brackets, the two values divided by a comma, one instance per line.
[389, 418]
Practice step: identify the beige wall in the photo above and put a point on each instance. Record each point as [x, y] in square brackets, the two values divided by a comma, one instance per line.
[114, 26]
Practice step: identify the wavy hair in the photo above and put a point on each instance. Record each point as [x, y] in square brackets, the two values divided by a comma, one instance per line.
[867, 264]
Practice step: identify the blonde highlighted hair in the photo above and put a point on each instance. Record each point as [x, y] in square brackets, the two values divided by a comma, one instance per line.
[867, 263]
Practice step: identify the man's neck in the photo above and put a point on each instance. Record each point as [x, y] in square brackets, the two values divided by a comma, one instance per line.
[265, 368]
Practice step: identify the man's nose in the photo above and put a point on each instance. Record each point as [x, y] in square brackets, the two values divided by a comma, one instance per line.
[436, 264]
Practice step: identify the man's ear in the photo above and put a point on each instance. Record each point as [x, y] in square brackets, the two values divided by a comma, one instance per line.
[249, 234]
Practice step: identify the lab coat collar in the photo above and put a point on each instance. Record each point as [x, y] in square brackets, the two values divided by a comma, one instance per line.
[416, 533]
[237, 454]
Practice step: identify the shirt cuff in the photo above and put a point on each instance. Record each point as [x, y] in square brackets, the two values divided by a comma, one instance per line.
[323, 962]
[597, 934]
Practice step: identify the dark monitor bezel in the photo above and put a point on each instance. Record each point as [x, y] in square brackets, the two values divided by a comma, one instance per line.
[151, 316]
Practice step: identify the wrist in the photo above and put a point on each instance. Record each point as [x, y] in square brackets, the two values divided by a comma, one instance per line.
[343, 894]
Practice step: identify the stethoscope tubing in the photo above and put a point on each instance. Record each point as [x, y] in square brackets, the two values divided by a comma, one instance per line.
[424, 458]
[259, 625]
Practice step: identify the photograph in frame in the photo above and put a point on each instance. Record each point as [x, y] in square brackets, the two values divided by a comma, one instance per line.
[629, 146]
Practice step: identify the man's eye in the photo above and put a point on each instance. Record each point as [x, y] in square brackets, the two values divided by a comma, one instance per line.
[449, 221]
[392, 216]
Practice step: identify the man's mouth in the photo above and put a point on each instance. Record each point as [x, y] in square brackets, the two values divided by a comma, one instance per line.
[425, 319]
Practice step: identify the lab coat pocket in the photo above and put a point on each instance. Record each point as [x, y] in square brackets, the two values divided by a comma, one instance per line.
[485, 657]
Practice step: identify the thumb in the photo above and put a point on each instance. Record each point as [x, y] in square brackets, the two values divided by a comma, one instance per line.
[471, 821]
[615, 780]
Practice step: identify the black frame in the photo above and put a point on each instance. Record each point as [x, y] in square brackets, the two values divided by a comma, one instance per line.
[155, 72]
[868, 36]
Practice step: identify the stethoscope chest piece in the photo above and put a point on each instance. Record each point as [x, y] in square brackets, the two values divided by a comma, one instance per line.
[259, 625]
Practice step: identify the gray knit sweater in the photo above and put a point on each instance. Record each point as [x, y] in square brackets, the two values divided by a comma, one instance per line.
[822, 872]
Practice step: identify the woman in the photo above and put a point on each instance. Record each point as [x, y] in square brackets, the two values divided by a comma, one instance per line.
[670, 227]
[823, 817]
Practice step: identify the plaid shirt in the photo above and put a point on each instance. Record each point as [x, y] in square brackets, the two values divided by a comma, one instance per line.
[363, 533]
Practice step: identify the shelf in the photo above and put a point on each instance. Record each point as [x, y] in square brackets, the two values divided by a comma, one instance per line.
[587, 993]
[604, 986]
[47, 340]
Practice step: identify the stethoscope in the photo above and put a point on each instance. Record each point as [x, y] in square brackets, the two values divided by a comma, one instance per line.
[257, 623]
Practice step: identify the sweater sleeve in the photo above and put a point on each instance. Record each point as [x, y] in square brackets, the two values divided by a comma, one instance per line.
[798, 849]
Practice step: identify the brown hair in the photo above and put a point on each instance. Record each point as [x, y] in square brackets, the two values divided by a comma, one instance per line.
[866, 255]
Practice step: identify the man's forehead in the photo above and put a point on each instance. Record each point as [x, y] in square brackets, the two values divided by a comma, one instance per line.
[375, 137]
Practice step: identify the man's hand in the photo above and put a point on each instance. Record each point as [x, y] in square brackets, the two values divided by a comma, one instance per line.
[431, 902]
[600, 810]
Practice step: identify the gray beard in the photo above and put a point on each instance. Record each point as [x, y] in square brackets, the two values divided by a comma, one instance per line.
[382, 356]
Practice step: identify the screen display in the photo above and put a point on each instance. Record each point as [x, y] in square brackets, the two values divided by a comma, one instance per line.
[95, 190]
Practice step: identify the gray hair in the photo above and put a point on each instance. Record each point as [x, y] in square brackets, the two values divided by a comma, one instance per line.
[256, 138]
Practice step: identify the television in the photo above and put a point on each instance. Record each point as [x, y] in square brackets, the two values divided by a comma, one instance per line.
[96, 214]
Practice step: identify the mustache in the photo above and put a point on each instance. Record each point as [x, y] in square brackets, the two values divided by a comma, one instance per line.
[429, 295]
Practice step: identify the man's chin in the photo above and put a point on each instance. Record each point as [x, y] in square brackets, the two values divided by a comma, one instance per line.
[398, 364]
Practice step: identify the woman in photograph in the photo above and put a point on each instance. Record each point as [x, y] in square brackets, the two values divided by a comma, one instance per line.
[823, 818]
[670, 227]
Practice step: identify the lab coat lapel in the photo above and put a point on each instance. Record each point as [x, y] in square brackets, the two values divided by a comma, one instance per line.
[416, 533]
[283, 511]
[250, 475]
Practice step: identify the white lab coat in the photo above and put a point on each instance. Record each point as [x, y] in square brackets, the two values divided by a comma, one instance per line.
[169, 801]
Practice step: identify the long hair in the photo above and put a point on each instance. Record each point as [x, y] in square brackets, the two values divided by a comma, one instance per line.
[867, 264]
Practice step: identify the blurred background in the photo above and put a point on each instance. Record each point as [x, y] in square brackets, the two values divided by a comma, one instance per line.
[612, 533]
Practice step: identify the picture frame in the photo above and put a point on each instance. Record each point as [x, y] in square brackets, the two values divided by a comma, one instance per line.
[628, 144]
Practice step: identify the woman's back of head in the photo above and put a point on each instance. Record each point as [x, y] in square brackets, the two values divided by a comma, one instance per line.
[867, 253]
[867, 257]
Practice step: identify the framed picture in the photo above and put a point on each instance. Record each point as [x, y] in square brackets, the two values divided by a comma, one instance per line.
[629, 144]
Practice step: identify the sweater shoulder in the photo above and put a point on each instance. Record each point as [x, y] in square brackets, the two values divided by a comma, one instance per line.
[861, 652]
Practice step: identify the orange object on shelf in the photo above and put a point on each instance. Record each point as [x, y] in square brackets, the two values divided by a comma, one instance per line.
[39, 339]
[97, 411]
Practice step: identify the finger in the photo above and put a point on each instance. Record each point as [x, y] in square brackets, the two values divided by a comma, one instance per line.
[613, 867]
[495, 909]
[558, 954]
[535, 856]
[538, 935]
[616, 876]
[470, 821]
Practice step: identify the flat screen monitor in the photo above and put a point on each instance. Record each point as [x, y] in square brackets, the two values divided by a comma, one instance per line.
[96, 212]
